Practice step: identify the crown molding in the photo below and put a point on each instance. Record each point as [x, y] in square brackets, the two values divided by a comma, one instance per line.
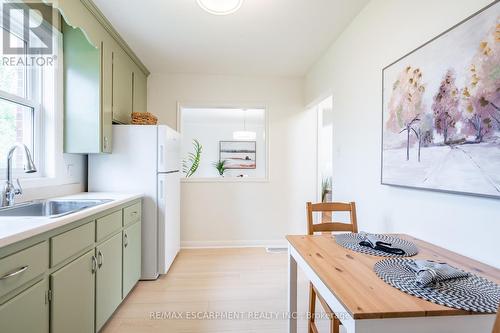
[89, 4]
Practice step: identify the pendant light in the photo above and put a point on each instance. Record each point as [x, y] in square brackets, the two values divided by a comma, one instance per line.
[244, 135]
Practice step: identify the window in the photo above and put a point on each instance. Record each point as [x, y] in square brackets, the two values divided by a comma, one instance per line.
[24, 93]
[233, 141]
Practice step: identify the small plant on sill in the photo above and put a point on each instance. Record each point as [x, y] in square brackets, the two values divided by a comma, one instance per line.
[221, 167]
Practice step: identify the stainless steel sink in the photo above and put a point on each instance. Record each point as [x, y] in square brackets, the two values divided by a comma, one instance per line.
[50, 208]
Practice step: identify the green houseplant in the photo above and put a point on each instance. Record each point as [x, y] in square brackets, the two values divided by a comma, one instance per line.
[221, 167]
[326, 189]
[191, 163]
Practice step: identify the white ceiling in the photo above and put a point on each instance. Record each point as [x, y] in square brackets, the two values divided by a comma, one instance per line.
[265, 37]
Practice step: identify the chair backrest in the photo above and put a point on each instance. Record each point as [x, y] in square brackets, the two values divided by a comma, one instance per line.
[329, 207]
[496, 328]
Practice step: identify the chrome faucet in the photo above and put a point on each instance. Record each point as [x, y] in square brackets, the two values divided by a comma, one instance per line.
[10, 191]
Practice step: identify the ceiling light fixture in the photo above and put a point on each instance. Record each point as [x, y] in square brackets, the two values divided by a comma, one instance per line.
[244, 135]
[220, 7]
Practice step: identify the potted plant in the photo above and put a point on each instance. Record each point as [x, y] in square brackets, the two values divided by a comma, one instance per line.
[326, 189]
[221, 167]
[192, 161]
[326, 196]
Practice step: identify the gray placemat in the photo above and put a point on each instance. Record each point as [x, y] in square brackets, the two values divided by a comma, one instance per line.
[471, 293]
[352, 240]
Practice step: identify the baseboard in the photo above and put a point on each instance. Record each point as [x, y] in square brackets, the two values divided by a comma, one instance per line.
[233, 243]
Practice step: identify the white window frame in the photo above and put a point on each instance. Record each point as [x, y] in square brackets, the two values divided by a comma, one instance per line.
[243, 105]
[33, 92]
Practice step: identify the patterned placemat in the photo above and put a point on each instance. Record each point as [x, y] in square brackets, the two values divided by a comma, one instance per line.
[471, 293]
[352, 240]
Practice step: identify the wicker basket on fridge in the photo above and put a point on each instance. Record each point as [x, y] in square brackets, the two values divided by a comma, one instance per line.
[144, 118]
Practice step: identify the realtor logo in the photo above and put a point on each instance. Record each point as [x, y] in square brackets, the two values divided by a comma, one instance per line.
[38, 40]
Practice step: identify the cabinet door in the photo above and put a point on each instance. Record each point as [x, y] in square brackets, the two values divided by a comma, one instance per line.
[108, 280]
[122, 87]
[82, 100]
[107, 95]
[140, 91]
[73, 288]
[131, 257]
[27, 312]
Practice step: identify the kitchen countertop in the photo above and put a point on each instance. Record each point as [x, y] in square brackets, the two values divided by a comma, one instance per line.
[15, 229]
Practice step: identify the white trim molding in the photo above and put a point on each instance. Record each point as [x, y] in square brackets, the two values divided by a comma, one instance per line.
[233, 244]
[230, 105]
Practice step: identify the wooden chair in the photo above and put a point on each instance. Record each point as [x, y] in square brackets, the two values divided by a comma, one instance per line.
[496, 328]
[327, 226]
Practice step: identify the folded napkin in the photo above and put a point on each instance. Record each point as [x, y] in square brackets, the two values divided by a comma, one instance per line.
[428, 272]
[376, 243]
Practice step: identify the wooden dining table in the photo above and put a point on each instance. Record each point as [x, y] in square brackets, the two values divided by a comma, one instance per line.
[364, 303]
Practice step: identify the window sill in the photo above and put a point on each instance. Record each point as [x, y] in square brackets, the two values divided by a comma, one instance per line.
[225, 180]
[37, 182]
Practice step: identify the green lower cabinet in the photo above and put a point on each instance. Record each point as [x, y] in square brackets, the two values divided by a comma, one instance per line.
[82, 295]
[27, 312]
[108, 279]
[131, 257]
[73, 290]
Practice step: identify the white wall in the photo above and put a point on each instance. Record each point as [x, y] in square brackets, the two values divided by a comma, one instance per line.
[71, 178]
[246, 213]
[384, 31]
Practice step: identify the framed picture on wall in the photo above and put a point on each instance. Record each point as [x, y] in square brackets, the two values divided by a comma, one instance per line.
[238, 154]
[441, 111]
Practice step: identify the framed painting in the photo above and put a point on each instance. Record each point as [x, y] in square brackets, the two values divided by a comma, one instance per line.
[441, 111]
[238, 154]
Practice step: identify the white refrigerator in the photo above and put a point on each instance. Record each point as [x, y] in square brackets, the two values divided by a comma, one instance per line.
[146, 159]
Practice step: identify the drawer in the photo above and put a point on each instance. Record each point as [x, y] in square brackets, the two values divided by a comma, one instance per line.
[132, 214]
[109, 224]
[23, 266]
[71, 242]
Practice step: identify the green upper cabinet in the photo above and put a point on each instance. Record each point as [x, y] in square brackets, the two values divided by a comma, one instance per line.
[122, 87]
[140, 91]
[82, 95]
[104, 81]
[107, 94]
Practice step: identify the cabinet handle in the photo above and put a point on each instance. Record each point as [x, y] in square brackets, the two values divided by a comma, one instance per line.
[125, 240]
[15, 272]
[133, 214]
[100, 258]
[94, 264]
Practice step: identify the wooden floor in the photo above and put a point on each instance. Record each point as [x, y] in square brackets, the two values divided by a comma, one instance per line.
[248, 284]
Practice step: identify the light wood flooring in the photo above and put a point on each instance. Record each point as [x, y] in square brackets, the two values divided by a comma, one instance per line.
[214, 282]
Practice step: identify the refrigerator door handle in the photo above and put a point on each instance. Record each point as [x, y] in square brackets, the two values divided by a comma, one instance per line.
[161, 155]
[161, 189]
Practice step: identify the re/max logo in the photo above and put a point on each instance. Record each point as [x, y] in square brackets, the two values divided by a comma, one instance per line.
[37, 37]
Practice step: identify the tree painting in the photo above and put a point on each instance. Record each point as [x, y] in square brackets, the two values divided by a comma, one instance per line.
[405, 105]
[482, 95]
[441, 111]
[445, 106]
